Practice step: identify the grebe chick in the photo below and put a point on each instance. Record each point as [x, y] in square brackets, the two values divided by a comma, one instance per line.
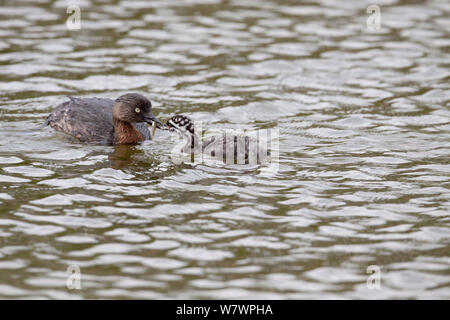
[105, 121]
[216, 146]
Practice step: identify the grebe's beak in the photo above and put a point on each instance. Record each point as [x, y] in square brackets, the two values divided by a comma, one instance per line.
[150, 118]
[171, 126]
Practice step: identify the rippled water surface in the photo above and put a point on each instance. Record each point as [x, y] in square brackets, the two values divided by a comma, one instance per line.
[364, 166]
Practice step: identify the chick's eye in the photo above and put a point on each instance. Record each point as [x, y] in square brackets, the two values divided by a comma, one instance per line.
[137, 110]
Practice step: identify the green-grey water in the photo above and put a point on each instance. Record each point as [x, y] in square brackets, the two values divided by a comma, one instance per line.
[363, 176]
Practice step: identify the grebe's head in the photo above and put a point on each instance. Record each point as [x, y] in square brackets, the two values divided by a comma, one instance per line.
[133, 107]
[181, 124]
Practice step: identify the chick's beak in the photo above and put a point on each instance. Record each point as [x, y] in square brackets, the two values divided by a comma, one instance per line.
[150, 118]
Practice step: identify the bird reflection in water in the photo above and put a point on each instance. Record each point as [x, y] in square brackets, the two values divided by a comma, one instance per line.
[122, 156]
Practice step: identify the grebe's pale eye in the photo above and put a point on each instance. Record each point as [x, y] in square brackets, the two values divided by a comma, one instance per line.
[137, 110]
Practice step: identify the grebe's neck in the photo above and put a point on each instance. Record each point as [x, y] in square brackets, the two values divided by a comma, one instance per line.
[192, 140]
[126, 133]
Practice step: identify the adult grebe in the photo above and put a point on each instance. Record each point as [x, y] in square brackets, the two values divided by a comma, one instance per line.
[105, 121]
